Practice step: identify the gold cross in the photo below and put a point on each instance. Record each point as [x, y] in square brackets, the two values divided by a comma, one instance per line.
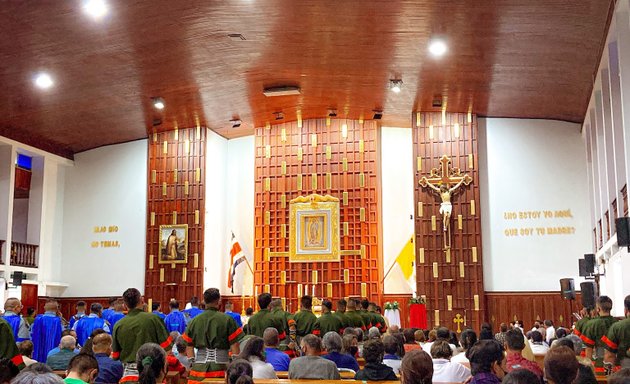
[459, 320]
[444, 175]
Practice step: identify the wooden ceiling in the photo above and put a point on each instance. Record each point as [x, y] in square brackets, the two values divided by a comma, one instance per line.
[507, 58]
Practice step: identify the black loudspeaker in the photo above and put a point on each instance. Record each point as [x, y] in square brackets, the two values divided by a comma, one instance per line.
[623, 231]
[582, 267]
[17, 278]
[589, 258]
[567, 289]
[589, 294]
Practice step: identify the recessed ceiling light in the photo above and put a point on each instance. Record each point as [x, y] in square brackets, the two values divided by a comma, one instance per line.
[437, 47]
[95, 8]
[158, 103]
[395, 85]
[43, 80]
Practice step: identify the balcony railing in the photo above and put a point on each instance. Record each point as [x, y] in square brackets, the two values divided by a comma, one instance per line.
[1, 244]
[23, 255]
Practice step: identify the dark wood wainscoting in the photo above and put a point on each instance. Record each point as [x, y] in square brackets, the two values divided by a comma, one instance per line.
[504, 307]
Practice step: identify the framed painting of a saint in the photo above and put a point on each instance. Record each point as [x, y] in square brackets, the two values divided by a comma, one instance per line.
[314, 229]
[173, 244]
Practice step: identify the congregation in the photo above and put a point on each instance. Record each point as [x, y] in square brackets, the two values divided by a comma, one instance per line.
[127, 343]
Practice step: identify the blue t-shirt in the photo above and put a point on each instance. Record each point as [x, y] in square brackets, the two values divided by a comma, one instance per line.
[278, 359]
[343, 360]
[109, 370]
[236, 317]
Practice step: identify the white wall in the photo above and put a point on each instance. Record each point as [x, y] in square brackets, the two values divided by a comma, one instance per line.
[106, 187]
[397, 203]
[229, 208]
[532, 166]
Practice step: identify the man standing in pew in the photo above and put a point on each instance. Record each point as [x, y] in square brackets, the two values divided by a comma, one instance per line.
[214, 334]
[593, 332]
[328, 322]
[305, 320]
[264, 319]
[311, 365]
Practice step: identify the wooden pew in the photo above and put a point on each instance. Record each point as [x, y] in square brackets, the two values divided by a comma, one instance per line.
[60, 373]
[344, 375]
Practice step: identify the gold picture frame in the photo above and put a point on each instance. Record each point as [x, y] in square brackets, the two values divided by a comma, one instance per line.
[314, 229]
[173, 244]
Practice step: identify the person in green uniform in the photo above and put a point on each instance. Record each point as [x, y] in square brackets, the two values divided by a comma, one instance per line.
[134, 330]
[305, 320]
[593, 331]
[214, 334]
[365, 315]
[289, 344]
[82, 369]
[587, 314]
[278, 312]
[340, 313]
[327, 322]
[264, 319]
[617, 340]
[377, 320]
[8, 348]
[354, 318]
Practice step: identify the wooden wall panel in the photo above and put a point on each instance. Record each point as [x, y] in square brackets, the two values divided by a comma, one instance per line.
[455, 135]
[339, 165]
[504, 307]
[176, 195]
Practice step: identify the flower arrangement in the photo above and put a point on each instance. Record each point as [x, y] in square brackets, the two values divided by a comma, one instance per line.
[417, 300]
[392, 306]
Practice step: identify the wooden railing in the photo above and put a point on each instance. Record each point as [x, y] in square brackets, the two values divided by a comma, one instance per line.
[23, 255]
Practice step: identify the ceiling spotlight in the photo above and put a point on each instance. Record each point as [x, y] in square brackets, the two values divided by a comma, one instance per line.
[332, 113]
[378, 114]
[95, 8]
[279, 115]
[437, 47]
[235, 123]
[395, 85]
[158, 103]
[43, 80]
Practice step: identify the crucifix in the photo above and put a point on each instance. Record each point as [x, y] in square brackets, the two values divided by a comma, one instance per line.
[440, 180]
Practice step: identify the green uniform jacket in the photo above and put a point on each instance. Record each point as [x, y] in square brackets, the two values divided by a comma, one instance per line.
[211, 329]
[592, 334]
[378, 321]
[343, 319]
[355, 320]
[136, 329]
[8, 348]
[305, 323]
[284, 317]
[367, 318]
[579, 326]
[328, 322]
[617, 340]
[262, 320]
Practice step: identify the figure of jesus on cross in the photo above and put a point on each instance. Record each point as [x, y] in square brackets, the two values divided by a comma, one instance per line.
[440, 181]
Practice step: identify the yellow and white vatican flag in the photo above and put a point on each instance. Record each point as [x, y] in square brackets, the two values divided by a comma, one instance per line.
[406, 261]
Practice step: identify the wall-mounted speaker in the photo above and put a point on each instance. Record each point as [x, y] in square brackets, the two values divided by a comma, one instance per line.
[623, 231]
[589, 294]
[17, 278]
[589, 258]
[582, 267]
[567, 289]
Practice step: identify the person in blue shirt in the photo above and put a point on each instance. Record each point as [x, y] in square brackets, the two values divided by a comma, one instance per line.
[333, 345]
[194, 309]
[235, 316]
[87, 324]
[46, 331]
[175, 320]
[109, 370]
[155, 307]
[12, 309]
[80, 313]
[278, 359]
[109, 310]
[118, 314]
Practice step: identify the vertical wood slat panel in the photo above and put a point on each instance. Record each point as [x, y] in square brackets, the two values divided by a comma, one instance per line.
[184, 200]
[342, 160]
[435, 135]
